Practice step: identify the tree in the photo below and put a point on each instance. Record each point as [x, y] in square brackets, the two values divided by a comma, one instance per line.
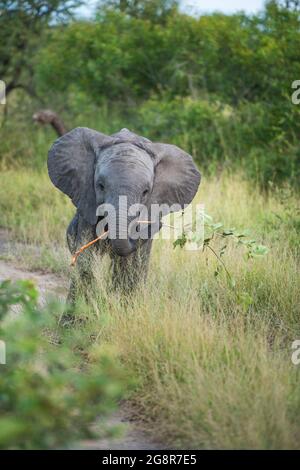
[290, 4]
[153, 10]
[21, 25]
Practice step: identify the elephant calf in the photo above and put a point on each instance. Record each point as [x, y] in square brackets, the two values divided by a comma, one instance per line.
[96, 170]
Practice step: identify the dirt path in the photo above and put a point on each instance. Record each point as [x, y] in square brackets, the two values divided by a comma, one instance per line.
[133, 437]
[47, 284]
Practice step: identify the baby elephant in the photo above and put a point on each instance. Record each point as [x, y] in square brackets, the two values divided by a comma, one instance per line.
[99, 172]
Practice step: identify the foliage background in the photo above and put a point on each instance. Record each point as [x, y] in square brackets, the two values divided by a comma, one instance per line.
[218, 85]
[212, 367]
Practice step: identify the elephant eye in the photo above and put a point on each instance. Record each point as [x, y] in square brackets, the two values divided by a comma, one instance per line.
[101, 187]
[145, 192]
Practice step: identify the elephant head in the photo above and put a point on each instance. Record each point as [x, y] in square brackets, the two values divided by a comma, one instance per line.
[95, 169]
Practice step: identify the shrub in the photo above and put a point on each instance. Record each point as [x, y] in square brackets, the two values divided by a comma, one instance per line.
[247, 136]
[49, 396]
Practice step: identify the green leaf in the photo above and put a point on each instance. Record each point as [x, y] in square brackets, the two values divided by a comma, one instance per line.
[216, 226]
[181, 241]
[259, 250]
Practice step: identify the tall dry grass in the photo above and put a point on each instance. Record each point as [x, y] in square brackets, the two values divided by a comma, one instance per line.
[212, 362]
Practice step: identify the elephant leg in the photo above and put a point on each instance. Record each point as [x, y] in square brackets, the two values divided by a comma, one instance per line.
[130, 271]
[79, 233]
[80, 286]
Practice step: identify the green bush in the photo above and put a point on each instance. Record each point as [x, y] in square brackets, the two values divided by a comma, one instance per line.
[219, 135]
[260, 138]
[219, 85]
[49, 394]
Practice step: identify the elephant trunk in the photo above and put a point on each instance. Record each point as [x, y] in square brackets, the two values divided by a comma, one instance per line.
[122, 244]
[122, 247]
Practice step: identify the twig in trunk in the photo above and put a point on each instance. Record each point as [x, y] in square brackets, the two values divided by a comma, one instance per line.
[84, 247]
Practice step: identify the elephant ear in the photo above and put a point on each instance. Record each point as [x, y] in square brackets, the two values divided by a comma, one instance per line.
[176, 176]
[71, 161]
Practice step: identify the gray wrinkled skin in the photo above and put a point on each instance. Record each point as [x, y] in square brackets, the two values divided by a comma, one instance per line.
[93, 169]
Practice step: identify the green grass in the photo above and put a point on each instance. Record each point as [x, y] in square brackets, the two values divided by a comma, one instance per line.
[212, 363]
[36, 216]
[31, 208]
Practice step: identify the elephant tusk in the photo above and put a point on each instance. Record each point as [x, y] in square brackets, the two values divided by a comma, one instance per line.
[84, 247]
